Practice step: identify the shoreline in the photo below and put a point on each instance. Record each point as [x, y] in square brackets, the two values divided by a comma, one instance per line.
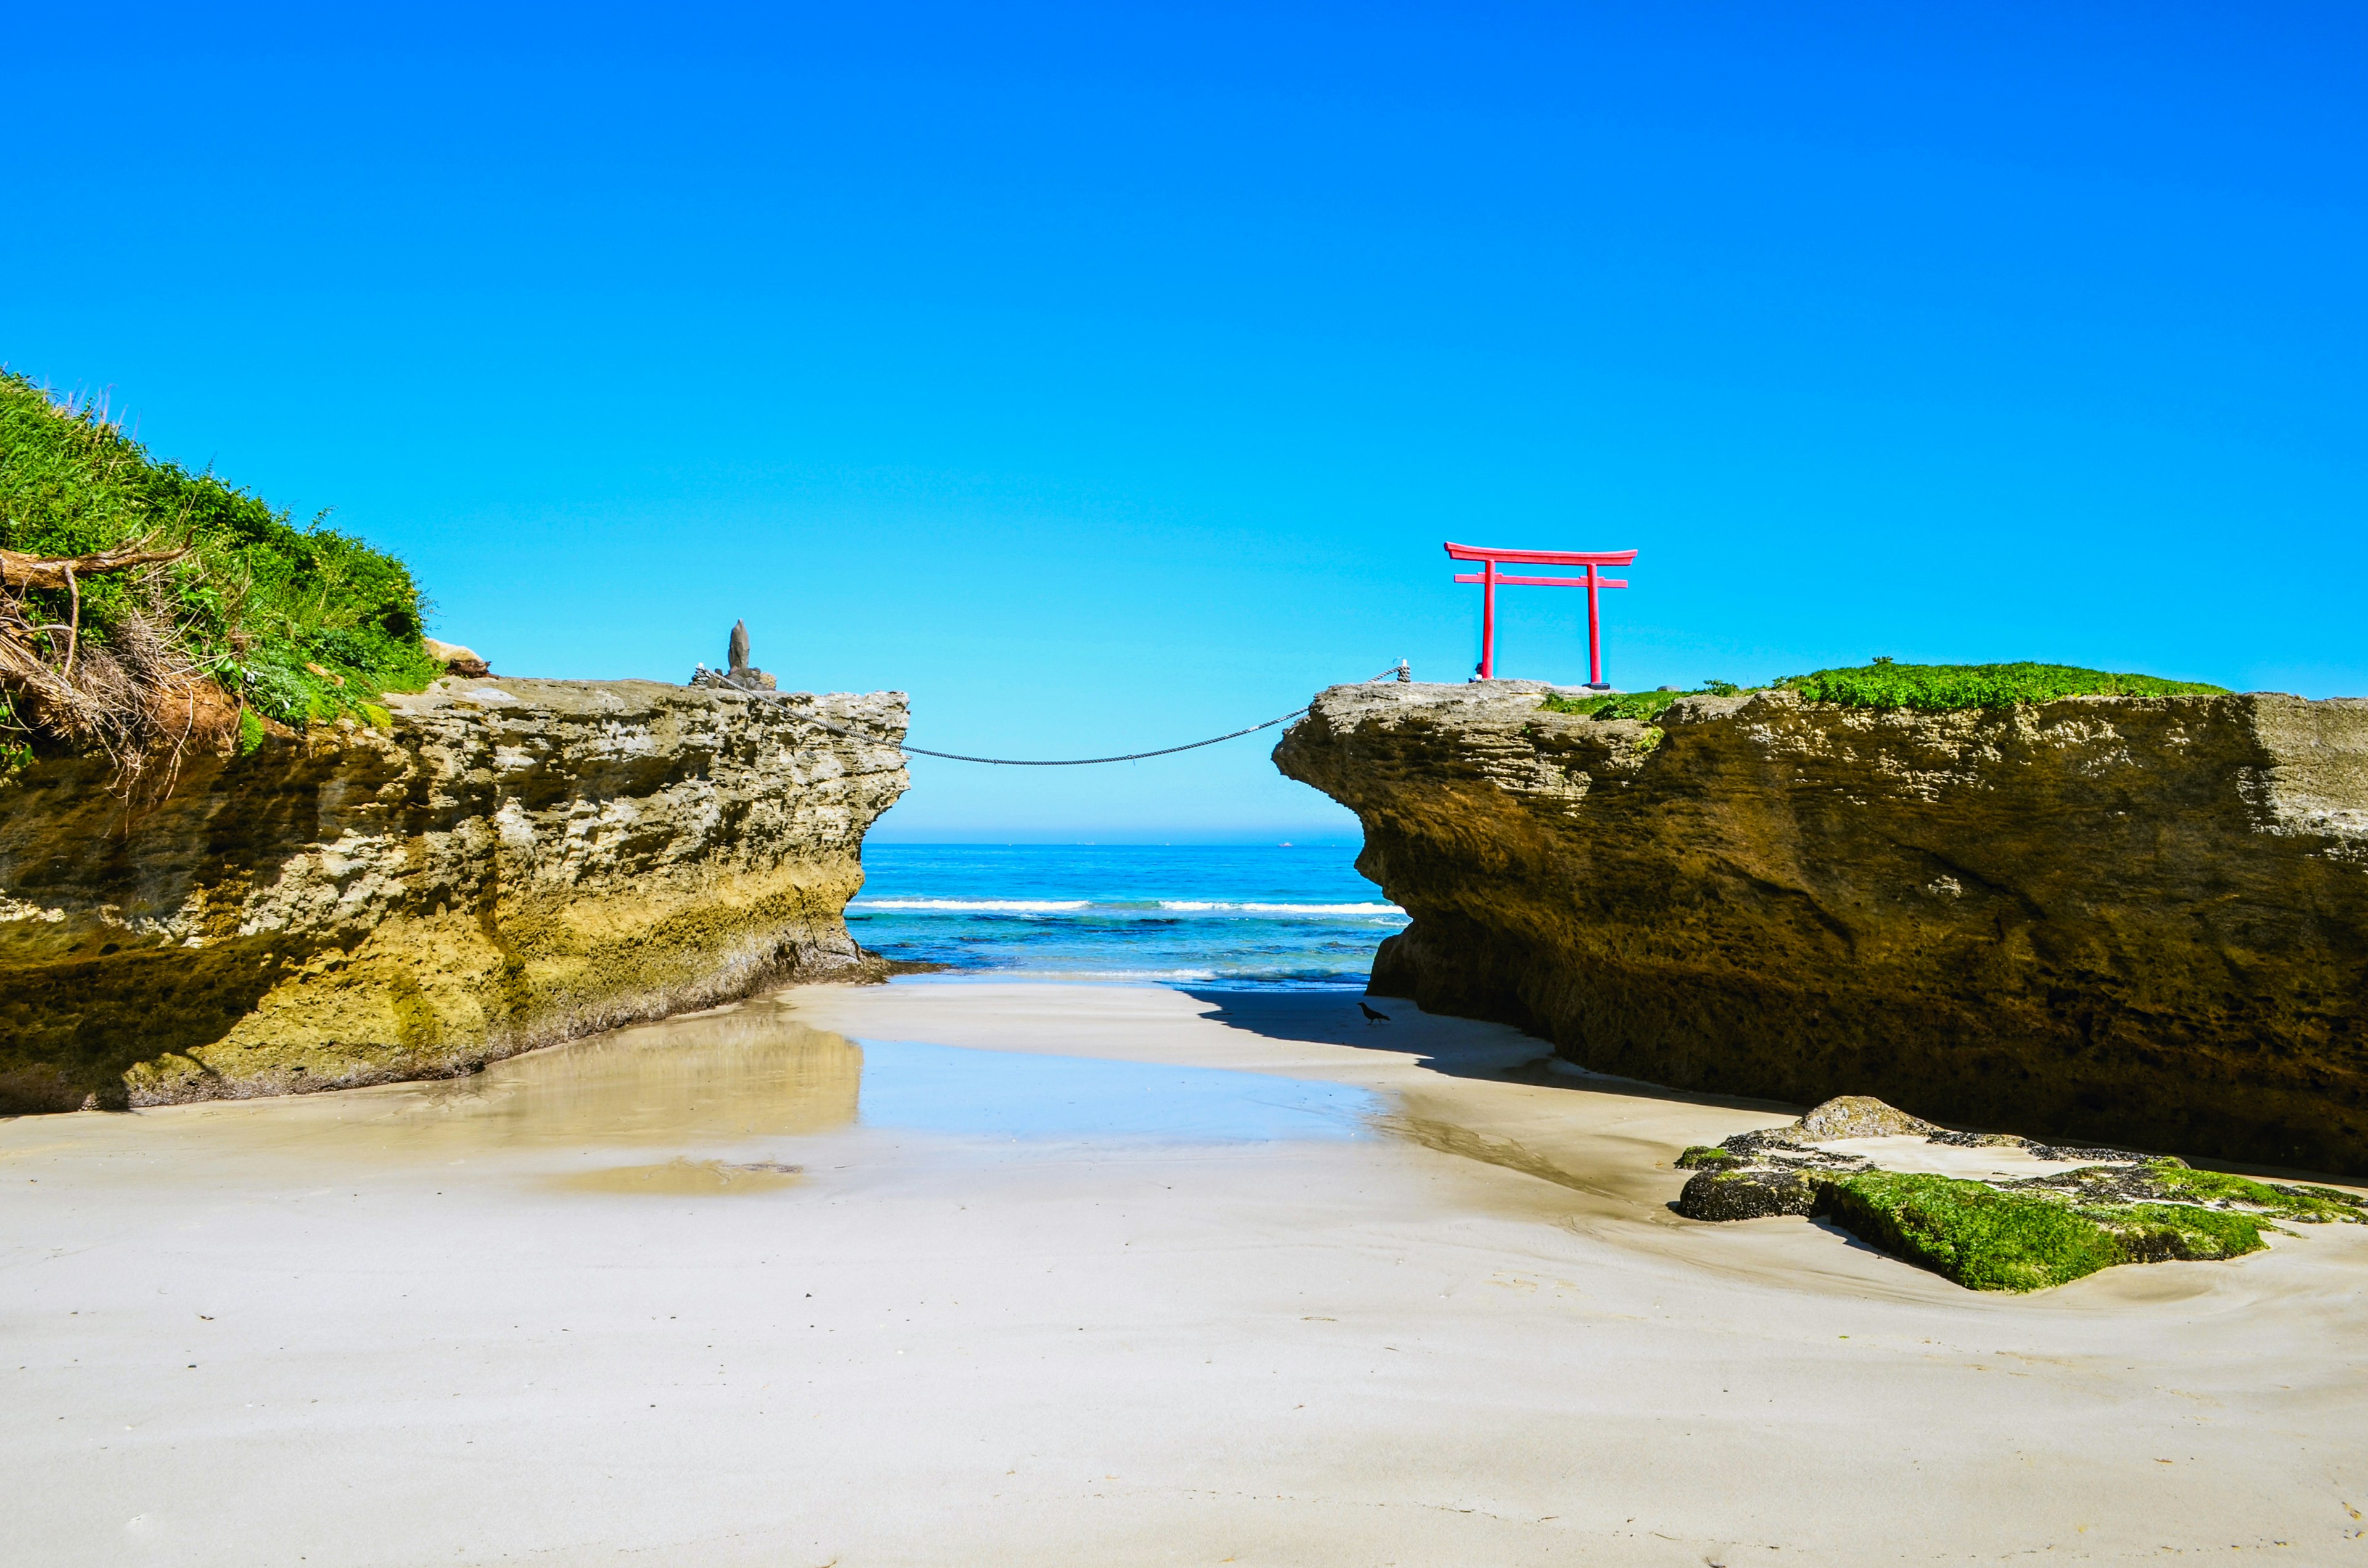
[414, 1322]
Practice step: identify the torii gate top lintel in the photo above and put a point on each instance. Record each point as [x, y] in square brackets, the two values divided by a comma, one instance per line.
[1489, 577]
[1543, 557]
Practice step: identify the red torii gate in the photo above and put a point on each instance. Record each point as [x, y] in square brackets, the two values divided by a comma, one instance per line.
[1488, 577]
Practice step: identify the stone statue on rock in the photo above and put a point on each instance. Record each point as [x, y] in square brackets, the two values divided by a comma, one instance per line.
[741, 675]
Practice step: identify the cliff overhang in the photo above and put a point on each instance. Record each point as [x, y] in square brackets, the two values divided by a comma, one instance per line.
[2137, 920]
[507, 864]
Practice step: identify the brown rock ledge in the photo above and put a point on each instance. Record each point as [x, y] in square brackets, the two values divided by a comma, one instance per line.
[513, 863]
[2139, 920]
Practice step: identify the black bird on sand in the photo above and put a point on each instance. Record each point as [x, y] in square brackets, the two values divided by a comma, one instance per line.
[1373, 1018]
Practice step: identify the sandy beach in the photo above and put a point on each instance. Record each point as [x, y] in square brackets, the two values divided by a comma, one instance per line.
[970, 1273]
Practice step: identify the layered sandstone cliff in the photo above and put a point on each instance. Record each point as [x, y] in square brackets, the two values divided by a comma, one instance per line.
[512, 863]
[2141, 920]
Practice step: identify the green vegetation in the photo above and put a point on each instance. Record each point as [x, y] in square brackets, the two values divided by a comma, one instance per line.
[1645, 705]
[1988, 1239]
[1624, 705]
[2024, 1234]
[2161, 1232]
[297, 624]
[1885, 683]
[1935, 688]
[2176, 1180]
[2020, 1235]
[14, 751]
[1973, 1235]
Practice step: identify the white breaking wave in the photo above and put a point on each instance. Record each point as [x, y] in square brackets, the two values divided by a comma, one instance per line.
[1066, 906]
[1030, 976]
[1211, 906]
[989, 905]
[1114, 974]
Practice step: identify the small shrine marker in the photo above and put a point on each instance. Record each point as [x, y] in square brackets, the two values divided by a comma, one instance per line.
[1489, 577]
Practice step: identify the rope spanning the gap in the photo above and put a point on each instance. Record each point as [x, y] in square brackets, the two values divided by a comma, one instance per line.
[1397, 670]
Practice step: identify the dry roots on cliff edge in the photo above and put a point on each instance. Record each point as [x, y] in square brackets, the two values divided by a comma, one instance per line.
[137, 695]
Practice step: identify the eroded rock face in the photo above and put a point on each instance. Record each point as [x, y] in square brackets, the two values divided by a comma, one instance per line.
[2137, 920]
[515, 863]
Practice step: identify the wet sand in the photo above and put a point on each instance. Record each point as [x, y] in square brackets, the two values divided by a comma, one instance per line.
[815, 1281]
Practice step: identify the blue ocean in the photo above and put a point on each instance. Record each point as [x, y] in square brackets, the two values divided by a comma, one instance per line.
[1225, 915]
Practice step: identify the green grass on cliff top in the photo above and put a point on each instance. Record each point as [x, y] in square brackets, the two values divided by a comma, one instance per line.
[1644, 705]
[1887, 684]
[257, 600]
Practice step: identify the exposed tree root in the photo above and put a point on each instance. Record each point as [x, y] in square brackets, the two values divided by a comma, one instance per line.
[137, 695]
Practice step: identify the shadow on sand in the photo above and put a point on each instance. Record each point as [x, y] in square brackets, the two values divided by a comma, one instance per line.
[1579, 1145]
[1464, 1048]
[1461, 1048]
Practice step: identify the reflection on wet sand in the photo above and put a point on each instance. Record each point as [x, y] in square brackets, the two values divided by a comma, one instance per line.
[701, 1097]
[680, 1177]
[747, 1071]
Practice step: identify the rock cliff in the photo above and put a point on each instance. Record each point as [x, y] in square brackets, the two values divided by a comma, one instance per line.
[510, 864]
[2140, 920]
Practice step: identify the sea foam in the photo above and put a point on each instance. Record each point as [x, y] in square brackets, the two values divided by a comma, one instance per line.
[978, 906]
[1218, 906]
[1223, 915]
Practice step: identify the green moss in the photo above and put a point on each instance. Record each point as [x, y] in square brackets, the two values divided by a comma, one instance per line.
[1700, 1156]
[1976, 1236]
[1644, 705]
[2154, 1232]
[15, 748]
[265, 607]
[1621, 705]
[2309, 1205]
[1887, 684]
[2028, 1239]
[417, 1030]
[250, 731]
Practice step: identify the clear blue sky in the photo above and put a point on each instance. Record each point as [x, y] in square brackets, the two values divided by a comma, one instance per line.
[1108, 376]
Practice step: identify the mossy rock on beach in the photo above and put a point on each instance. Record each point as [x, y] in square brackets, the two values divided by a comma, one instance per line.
[1861, 1116]
[1987, 1239]
[1749, 1194]
[2175, 1181]
[2024, 1234]
[1977, 1235]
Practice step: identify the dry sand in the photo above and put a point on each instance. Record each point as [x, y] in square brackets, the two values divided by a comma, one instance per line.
[692, 1294]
